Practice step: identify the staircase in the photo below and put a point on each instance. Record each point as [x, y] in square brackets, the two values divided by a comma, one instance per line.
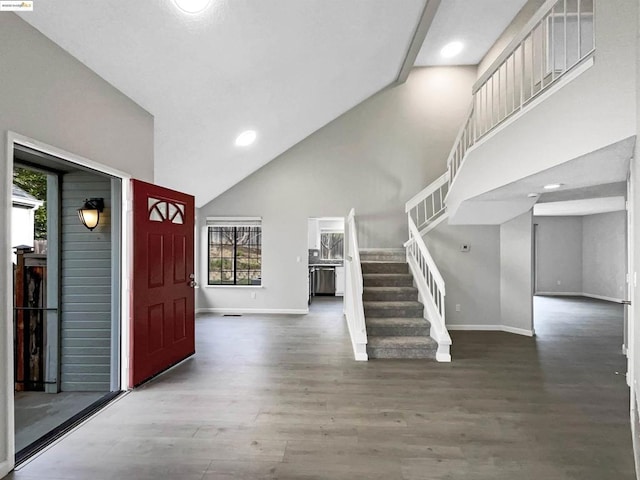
[396, 327]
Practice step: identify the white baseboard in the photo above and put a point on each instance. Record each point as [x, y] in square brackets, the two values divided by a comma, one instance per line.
[254, 311]
[5, 468]
[492, 328]
[580, 294]
[559, 294]
[361, 357]
[602, 297]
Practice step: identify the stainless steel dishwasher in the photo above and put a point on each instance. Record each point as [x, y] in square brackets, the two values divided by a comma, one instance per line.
[325, 281]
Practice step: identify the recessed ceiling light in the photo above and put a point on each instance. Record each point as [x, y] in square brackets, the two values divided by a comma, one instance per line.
[451, 49]
[553, 186]
[192, 6]
[533, 195]
[246, 138]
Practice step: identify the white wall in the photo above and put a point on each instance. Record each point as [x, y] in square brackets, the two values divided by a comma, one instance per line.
[558, 255]
[604, 258]
[595, 110]
[472, 278]
[374, 158]
[49, 96]
[634, 252]
[22, 222]
[516, 269]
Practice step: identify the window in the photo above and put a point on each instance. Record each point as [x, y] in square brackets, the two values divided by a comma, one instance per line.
[235, 253]
[332, 245]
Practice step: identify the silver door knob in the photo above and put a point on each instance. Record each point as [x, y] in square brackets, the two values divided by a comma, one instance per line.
[193, 283]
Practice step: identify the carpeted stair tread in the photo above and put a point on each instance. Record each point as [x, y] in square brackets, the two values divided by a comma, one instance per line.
[401, 342]
[389, 293]
[384, 267]
[396, 322]
[390, 305]
[390, 289]
[387, 279]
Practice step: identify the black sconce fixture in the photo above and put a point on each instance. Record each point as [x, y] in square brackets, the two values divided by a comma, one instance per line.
[89, 214]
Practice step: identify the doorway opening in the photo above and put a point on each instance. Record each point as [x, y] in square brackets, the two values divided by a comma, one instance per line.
[66, 296]
[326, 275]
[580, 268]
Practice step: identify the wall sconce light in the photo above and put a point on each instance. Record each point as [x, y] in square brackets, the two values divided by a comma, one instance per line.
[89, 214]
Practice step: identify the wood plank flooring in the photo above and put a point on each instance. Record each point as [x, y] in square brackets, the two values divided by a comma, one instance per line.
[279, 397]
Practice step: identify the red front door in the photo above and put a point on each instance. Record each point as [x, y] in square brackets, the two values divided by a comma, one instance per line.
[163, 324]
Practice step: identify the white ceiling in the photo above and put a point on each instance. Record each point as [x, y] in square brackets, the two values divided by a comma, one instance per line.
[282, 67]
[476, 23]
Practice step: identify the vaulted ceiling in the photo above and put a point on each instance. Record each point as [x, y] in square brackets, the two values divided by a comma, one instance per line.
[283, 68]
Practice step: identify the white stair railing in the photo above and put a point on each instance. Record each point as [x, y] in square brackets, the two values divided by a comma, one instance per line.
[431, 289]
[354, 310]
[427, 209]
[558, 39]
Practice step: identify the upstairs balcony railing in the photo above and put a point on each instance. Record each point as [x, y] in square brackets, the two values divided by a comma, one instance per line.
[558, 38]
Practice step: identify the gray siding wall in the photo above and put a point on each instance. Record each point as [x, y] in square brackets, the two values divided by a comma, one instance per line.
[85, 288]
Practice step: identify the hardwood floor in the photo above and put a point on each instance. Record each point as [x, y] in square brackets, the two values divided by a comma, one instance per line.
[279, 397]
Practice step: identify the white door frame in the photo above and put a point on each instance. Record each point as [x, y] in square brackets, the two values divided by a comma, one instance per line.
[630, 309]
[125, 267]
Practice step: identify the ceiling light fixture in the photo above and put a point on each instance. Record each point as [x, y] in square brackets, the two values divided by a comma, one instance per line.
[533, 195]
[452, 49]
[192, 6]
[553, 186]
[246, 138]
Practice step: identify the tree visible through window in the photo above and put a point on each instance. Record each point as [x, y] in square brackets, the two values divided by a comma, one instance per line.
[332, 245]
[235, 255]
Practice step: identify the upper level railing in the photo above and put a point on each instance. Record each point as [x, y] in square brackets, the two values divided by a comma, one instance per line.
[558, 38]
[354, 309]
[427, 207]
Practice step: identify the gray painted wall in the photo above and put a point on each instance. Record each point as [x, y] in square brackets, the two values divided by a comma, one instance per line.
[85, 320]
[374, 158]
[604, 259]
[472, 278]
[559, 254]
[587, 254]
[516, 269]
[50, 96]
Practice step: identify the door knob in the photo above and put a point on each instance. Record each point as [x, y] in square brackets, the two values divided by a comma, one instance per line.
[193, 283]
[192, 276]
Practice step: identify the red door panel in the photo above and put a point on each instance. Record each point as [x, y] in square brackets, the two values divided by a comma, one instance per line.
[163, 324]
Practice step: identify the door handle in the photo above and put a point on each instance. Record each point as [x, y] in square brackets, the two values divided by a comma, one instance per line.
[626, 302]
[193, 284]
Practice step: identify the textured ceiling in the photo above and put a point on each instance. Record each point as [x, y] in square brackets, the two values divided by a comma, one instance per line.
[284, 68]
[476, 23]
